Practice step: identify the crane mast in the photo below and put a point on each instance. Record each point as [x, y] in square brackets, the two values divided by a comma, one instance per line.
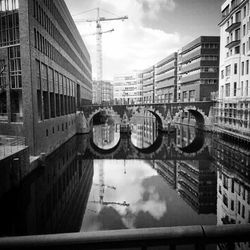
[99, 59]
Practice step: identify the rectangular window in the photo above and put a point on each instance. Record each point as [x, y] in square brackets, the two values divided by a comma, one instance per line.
[242, 68]
[247, 67]
[241, 89]
[246, 87]
[227, 89]
[222, 74]
[228, 70]
[237, 50]
[235, 68]
[235, 88]
[15, 67]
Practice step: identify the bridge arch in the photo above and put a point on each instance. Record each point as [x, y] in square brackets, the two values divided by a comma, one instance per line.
[200, 117]
[159, 117]
[116, 117]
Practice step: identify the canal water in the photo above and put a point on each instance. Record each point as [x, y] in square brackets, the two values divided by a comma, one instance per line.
[110, 179]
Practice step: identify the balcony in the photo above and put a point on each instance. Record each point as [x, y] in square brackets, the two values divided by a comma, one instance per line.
[233, 26]
[166, 84]
[169, 74]
[165, 67]
[198, 52]
[232, 44]
[148, 82]
[198, 76]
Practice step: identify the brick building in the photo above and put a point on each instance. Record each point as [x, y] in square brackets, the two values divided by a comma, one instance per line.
[47, 72]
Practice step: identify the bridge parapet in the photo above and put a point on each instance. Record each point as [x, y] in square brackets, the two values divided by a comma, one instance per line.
[167, 114]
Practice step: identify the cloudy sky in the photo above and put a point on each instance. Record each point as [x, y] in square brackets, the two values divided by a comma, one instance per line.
[154, 29]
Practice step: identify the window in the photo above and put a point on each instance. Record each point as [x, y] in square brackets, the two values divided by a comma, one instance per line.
[15, 67]
[235, 88]
[244, 30]
[237, 16]
[241, 89]
[222, 74]
[228, 70]
[242, 68]
[227, 90]
[246, 87]
[232, 205]
[237, 34]
[9, 23]
[243, 48]
[237, 50]
[247, 67]
[235, 68]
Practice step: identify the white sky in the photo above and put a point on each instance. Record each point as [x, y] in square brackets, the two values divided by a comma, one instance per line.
[145, 38]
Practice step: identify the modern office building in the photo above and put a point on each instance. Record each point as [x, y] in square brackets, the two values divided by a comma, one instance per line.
[166, 79]
[199, 69]
[127, 88]
[102, 92]
[233, 111]
[47, 72]
[148, 85]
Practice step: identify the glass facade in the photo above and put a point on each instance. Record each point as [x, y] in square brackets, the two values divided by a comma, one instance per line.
[9, 22]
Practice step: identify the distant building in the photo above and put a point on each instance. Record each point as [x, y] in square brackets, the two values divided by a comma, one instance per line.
[102, 92]
[232, 111]
[47, 72]
[127, 89]
[166, 79]
[148, 85]
[199, 69]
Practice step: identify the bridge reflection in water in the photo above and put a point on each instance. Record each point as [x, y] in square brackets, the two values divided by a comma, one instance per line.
[145, 179]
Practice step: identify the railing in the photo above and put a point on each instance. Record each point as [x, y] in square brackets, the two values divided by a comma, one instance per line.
[10, 145]
[197, 236]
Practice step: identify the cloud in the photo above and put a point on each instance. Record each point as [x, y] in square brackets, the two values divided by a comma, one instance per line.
[152, 8]
[132, 46]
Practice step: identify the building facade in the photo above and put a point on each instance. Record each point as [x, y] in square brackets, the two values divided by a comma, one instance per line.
[166, 79]
[232, 111]
[47, 72]
[199, 69]
[102, 92]
[128, 89]
[148, 85]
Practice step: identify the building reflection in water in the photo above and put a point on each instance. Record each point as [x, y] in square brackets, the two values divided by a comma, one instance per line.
[144, 129]
[107, 134]
[233, 184]
[50, 200]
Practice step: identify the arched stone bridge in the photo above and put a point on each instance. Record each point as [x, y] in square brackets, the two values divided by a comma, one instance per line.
[198, 114]
[164, 148]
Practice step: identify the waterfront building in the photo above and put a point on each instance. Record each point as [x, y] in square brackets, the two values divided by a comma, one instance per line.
[197, 185]
[102, 92]
[46, 72]
[127, 88]
[233, 184]
[168, 170]
[166, 79]
[232, 110]
[199, 69]
[148, 85]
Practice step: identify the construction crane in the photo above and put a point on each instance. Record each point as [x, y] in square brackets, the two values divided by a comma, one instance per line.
[103, 185]
[98, 34]
[105, 203]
